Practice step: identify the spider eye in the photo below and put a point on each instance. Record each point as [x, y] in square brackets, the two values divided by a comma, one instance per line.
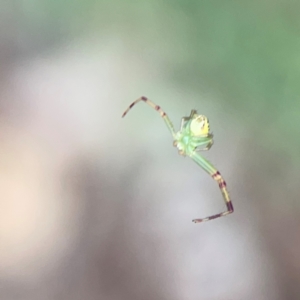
[200, 126]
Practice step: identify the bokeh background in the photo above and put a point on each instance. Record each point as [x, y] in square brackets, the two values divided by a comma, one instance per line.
[93, 206]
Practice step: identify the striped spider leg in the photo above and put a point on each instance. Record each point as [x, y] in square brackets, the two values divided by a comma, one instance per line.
[194, 136]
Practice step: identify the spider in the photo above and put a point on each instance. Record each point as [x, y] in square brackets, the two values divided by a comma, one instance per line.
[193, 136]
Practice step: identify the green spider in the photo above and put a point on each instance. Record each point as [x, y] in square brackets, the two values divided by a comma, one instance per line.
[193, 136]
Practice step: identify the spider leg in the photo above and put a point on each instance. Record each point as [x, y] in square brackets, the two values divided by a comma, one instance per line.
[201, 141]
[183, 122]
[208, 146]
[157, 108]
[193, 111]
[185, 119]
[215, 174]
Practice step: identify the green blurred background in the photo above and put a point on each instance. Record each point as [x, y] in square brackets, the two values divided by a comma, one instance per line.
[98, 207]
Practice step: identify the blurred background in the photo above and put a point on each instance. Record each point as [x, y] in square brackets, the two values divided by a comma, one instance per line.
[93, 206]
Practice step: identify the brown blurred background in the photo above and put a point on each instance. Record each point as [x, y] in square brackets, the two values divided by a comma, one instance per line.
[93, 206]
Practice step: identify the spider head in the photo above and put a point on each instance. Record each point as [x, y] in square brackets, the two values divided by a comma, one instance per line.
[199, 125]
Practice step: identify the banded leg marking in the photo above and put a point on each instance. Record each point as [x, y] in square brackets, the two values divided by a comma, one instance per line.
[222, 185]
[154, 106]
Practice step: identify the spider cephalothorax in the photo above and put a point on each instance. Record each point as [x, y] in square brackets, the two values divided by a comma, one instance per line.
[193, 136]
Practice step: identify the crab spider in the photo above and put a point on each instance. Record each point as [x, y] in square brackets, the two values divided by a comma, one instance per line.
[193, 136]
